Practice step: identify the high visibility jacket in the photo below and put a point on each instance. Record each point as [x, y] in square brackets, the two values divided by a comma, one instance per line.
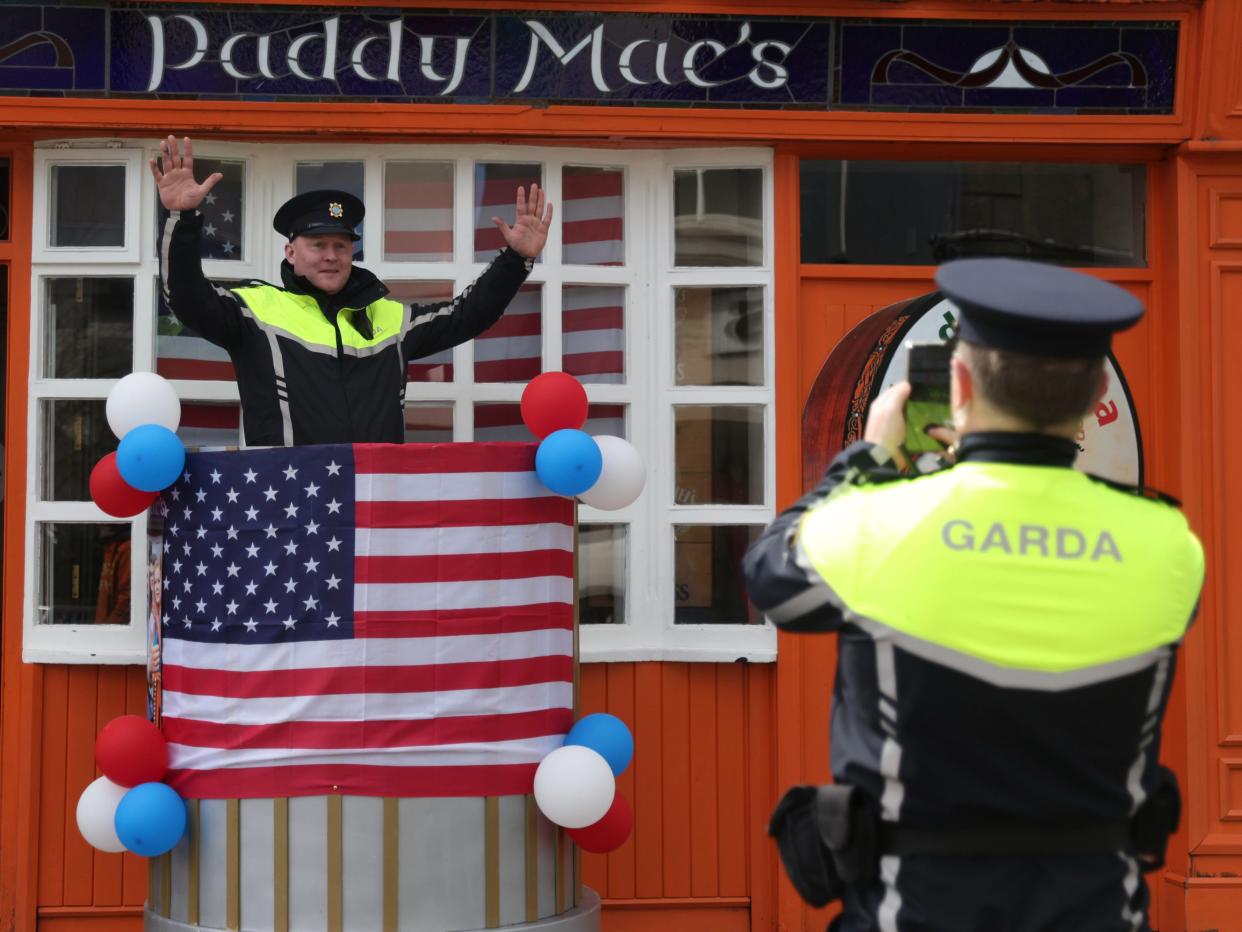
[1007, 630]
[318, 368]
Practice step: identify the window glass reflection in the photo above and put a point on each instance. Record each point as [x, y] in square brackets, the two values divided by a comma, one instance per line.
[180, 353]
[593, 333]
[511, 350]
[601, 573]
[75, 437]
[210, 426]
[428, 423]
[438, 367]
[708, 588]
[719, 454]
[719, 336]
[88, 205]
[83, 574]
[593, 217]
[495, 195]
[222, 210]
[418, 211]
[718, 216]
[89, 327]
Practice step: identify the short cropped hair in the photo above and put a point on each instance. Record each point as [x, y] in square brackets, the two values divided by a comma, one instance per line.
[1040, 390]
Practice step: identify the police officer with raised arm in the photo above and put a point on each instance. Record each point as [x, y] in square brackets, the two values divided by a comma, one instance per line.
[1007, 629]
[324, 358]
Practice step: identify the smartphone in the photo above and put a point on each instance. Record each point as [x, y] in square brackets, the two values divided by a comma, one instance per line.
[928, 374]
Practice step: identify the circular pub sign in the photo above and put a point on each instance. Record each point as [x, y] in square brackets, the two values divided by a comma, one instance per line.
[872, 356]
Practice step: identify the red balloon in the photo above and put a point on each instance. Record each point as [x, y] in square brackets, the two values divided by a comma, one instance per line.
[553, 401]
[113, 494]
[610, 832]
[130, 750]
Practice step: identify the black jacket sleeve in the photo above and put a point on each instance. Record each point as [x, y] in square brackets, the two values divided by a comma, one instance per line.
[789, 590]
[210, 310]
[434, 327]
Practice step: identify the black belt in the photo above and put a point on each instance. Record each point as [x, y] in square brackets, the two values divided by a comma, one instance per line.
[1008, 839]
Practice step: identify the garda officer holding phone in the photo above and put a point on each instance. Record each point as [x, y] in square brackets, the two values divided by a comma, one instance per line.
[1007, 629]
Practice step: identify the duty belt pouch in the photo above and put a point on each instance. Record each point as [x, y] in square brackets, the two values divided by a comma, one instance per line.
[1157, 819]
[807, 860]
[848, 826]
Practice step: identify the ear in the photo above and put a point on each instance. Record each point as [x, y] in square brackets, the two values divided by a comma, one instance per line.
[289, 250]
[961, 383]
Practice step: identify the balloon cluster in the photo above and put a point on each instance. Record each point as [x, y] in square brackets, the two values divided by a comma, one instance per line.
[605, 472]
[144, 412]
[128, 808]
[575, 785]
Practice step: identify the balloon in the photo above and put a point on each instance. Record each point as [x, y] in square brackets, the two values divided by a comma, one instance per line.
[113, 494]
[130, 750]
[150, 819]
[607, 736]
[621, 479]
[574, 786]
[553, 401]
[150, 457]
[142, 398]
[568, 461]
[610, 832]
[97, 814]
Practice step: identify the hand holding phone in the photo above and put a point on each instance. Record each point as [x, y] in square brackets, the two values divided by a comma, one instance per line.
[928, 405]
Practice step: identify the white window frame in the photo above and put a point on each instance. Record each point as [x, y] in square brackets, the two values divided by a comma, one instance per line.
[648, 393]
[111, 153]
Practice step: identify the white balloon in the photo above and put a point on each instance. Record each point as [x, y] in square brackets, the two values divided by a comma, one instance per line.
[97, 814]
[142, 398]
[574, 786]
[621, 480]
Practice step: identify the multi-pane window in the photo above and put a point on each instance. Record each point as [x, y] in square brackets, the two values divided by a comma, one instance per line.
[654, 290]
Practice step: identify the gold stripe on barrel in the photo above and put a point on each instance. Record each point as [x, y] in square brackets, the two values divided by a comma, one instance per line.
[491, 860]
[232, 863]
[335, 867]
[532, 860]
[392, 875]
[280, 865]
[191, 885]
[166, 884]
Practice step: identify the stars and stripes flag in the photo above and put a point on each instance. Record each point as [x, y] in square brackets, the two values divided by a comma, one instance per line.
[365, 619]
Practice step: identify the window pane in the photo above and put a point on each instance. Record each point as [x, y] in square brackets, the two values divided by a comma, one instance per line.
[83, 574]
[495, 194]
[719, 336]
[601, 574]
[500, 422]
[605, 420]
[593, 332]
[206, 426]
[4, 199]
[418, 211]
[76, 436]
[89, 328]
[438, 367]
[512, 350]
[708, 565]
[338, 176]
[88, 205]
[221, 209]
[428, 423]
[592, 228]
[719, 454]
[180, 353]
[719, 216]
[931, 212]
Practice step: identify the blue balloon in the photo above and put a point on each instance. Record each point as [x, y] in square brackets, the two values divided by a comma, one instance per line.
[608, 736]
[150, 819]
[150, 457]
[568, 461]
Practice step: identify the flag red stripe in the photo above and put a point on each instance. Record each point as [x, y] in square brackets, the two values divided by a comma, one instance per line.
[481, 513]
[501, 192]
[445, 458]
[433, 622]
[593, 318]
[607, 363]
[514, 325]
[424, 194]
[521, 369]
[602, 229]
[462, 567]
[487, 239]
[439, 242]
[419, 372]
[354, 780]
[340, 681]
[576, 186]
[224, 415]
[171, 367]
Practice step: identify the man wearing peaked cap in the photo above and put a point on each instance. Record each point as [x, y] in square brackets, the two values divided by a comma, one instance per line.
[1007, 631]
[323, 358]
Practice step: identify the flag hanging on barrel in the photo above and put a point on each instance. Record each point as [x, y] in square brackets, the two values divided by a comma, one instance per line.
[367, 619]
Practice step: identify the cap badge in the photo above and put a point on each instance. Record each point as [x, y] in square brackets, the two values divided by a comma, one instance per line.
[335, 211]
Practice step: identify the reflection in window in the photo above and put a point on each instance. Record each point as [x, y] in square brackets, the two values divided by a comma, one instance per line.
[76, 436]
[601, 574]
[222, 211]
[206, 426]
[500, 422]
[438, 367]
[5, 206]
[605, 420]
[511, 350]
[708, 587]
[719, 336]
[418, 211]
[89, 328]
[428, 423]
[719, 454]
[495, 194]
[180, 353]
[83, 574]
[592, 228]
[338, 176]
[924, 213]
[718, 216]
[88, 205]
[593, 333]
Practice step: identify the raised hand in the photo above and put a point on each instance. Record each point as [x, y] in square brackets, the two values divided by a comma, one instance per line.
[530, 230]
[174, 177]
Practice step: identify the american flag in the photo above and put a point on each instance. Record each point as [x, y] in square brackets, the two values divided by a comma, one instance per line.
[367, 619]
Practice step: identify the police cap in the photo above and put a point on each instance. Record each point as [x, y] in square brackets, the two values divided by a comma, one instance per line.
[318, 212]
[1033, 308]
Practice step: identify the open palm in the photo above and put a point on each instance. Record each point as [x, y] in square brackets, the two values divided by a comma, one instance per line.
[174, 177]
[529, 232]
